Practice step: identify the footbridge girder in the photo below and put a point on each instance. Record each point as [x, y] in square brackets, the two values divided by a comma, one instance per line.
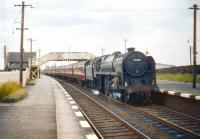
[64, 56]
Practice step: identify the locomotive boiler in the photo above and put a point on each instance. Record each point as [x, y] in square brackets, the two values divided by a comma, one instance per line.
[128, 77]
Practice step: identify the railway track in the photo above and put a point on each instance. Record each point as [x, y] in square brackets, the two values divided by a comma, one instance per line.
[189, 127]
[181, 125]
[105, 123]
[184, 123]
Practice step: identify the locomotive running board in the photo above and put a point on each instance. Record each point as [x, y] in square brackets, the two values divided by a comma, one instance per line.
[105, 73]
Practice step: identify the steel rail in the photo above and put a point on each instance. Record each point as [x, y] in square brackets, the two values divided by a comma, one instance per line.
[165, 121]
[92, 121]
[179, 113]
[162, 117]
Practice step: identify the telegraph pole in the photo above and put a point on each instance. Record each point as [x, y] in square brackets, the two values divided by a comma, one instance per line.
[22, 41]
[125, 40]
[5, 58]
[190, 47]
[39, 57]
[190, 55]
[102, 51]
[146, 52]
[39, 52]
[195, 8]
[69, 48]
[31, 43]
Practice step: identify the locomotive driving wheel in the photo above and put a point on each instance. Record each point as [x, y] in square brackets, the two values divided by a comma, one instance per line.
[107, 92]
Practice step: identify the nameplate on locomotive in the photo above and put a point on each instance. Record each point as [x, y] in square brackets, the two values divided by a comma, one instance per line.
[137, 60]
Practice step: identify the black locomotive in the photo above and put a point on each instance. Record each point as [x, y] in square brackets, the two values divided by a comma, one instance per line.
[129, 77]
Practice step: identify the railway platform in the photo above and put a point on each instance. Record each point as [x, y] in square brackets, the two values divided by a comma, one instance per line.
[48, 112]
[179, 89]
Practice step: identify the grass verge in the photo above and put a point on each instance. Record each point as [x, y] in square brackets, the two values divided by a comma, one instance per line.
[11, 92]
[186, 78]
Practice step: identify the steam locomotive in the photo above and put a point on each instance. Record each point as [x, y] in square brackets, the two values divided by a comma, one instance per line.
[128, 77]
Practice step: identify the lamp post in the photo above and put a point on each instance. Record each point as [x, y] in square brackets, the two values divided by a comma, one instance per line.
[125, 40]
[190, 47]
[195, 7]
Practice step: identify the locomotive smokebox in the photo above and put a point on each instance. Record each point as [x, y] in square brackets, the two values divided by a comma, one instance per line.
[131, 49]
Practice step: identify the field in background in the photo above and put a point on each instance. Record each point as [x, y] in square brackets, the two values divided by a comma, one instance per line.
[187, 78]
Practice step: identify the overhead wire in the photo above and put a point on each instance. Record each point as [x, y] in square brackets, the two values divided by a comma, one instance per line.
[14, 22]
[15, 19]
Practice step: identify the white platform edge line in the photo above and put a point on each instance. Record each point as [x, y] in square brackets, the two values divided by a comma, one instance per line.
[161, 90]
[58, 129]
[91, 136]
[197, 97]
[186, 95]
[171, 92]
[84, 124]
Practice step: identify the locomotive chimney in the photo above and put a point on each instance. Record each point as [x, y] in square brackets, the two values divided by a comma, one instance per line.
[131, 49]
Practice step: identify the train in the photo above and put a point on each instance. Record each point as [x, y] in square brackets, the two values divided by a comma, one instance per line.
[129, 77]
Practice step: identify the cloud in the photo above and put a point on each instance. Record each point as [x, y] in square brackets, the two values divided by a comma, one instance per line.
[160, 43]
[59, 18]
[159, 26]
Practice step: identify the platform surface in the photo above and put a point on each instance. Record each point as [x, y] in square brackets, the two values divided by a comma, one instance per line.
[47, 113]
[71, 123]
[32, 118]
[179, 87]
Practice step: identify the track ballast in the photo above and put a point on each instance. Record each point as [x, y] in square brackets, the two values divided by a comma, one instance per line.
[104, 122]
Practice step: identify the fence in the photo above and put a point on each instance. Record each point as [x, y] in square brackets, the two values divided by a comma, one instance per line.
[13, 76]
[181, 69]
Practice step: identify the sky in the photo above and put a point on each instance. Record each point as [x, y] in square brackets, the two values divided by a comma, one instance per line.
[161, 27]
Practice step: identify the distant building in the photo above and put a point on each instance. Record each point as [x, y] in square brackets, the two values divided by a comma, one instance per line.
[13, 60]
[163, 66]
